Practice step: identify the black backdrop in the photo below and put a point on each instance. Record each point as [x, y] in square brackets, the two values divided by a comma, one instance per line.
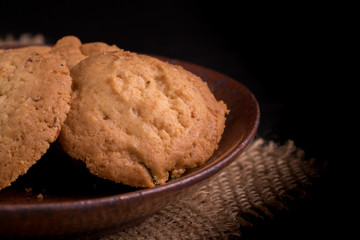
[276, 50]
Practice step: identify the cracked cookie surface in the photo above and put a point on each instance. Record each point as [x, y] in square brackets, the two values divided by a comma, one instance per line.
[35, 94]
[137, 120]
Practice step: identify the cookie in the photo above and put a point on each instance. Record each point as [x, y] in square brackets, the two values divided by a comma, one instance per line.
[73, 51]
[35, 94]
[137, 120]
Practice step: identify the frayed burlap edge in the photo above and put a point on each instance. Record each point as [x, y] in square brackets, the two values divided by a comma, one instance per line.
[266, 177]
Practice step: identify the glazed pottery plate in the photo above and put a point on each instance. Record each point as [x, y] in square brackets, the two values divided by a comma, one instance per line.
[58, 197]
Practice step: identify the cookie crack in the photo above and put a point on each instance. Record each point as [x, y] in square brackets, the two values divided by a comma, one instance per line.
[135, 157]
[138, 159]
[163, 86]
[155, 180]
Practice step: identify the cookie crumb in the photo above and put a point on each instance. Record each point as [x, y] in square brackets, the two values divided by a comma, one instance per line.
[28, 190]
[40, 196]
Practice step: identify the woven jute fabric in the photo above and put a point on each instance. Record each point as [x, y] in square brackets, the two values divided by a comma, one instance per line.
[264, 179]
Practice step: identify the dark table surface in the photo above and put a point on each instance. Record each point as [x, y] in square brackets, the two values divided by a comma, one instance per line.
[277, 51]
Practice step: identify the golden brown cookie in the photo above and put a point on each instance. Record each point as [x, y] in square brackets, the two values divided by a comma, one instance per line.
[136, 120]
[73, 51]
[35, 94]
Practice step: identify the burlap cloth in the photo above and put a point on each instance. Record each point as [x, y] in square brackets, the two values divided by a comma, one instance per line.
[266, 178]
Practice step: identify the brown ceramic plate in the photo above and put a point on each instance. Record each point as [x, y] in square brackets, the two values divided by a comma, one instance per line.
[59, 197]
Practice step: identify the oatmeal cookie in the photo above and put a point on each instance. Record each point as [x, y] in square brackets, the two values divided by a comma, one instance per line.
[35, 94]
[137, 120]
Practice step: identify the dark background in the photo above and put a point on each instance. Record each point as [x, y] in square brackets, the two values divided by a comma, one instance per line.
[277, 50]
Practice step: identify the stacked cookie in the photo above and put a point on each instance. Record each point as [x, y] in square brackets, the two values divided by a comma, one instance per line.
[131, 118]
